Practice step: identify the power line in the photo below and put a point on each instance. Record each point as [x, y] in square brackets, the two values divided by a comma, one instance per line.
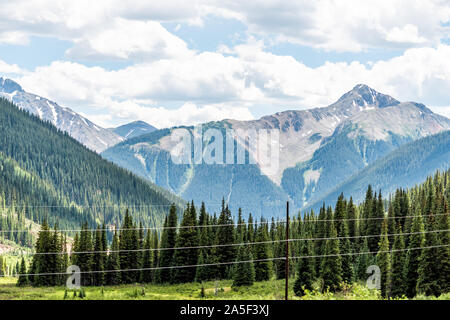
[236, 244]
[222, 225]
[227, 263]
[89, 206]
[152, 228]
[376, 218]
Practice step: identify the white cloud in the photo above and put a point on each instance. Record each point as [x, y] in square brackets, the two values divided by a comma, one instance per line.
[190, 114]
[14, 38]
[109, 29]
[407, 34]
[160, 117]
[249, 78]
[10, 69]
[164, 71]
[350, 25]
[135, 40]
[445, 111]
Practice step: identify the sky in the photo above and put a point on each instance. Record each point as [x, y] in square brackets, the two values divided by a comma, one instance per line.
[177, 62]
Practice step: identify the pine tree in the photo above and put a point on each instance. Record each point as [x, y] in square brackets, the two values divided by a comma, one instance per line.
[113, 278]
[244, 274]
[428, 280]
[2, 267]
[128, 245]
[351, 215]
[367, 212]
[187, 237]
[363, 261]
[147, 261]
[85, 260]
[202, 273]
[398, 263]
[263, 269]
[320, 234]
[374, 225]
[416, 240]
[332, 262]
[384, 261]
[340, 217]
[225, 235]
[305, 270]
[23, 278]
[16, 270]
[168, 240]
[251, 230]
[99, 259]
[155, 256]
[65, 257]
[443, 260]
[280, 251]
[45, 263]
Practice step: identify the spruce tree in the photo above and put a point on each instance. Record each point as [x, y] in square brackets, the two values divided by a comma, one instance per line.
[320, 234]
[225, 235]
[251, 230]
[128, 255]
[280, 251]
[398, 288]
[367, 212]
[99, 259]
[147, 260]
[341, 223]
[443, 260]
[187, 237]
[416, 240]
[168, 240]
[23, 278]
[374, 225]
[363, 261]
[305, 269]
[351, 215]
[428, 280]
[113, 278]
[202, 273]
[85, 260]
[384, 261]
[331, 270]
[244, 274]
[44, 263]
[155, 254]
[263, 269]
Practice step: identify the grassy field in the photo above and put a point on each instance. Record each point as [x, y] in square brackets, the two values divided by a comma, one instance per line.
[222, 290]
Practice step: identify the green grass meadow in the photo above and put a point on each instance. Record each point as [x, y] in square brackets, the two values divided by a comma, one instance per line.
[220, 290]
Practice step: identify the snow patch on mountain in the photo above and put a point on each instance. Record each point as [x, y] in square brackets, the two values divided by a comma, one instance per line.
[311, 176]
[81, 129]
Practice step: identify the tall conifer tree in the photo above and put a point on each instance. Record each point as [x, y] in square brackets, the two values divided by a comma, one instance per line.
[168, 240]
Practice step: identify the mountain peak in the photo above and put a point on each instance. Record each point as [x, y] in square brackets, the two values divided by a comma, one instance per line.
[141, 123]
[9, 86]
[363, 96]
[133, 129]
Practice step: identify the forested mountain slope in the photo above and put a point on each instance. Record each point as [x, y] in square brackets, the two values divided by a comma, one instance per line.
[48, 174]
[408, 165]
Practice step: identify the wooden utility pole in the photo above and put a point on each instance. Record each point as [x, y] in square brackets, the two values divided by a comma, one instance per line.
[286, 292]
